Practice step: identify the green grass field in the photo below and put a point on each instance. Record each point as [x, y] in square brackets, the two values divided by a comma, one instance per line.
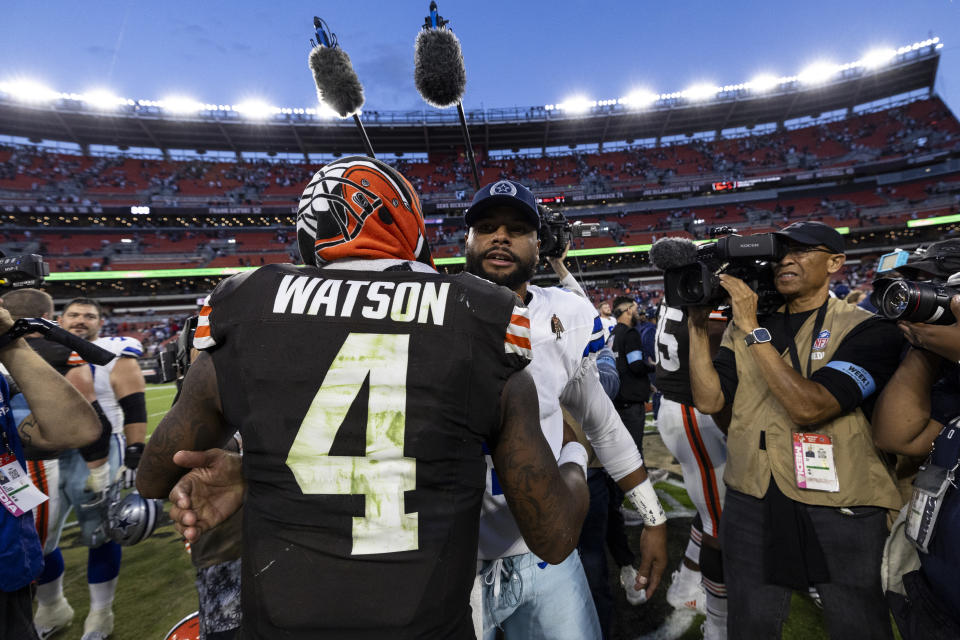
[156, 587]
[159, 399]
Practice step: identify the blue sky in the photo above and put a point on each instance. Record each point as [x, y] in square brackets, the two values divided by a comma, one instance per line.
[517, 53]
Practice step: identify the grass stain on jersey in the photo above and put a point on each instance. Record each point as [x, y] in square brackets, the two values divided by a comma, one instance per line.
[382, 475]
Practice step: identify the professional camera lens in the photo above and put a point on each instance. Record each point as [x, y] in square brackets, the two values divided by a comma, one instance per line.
[917, 302]
[896, 299]
[690, 286]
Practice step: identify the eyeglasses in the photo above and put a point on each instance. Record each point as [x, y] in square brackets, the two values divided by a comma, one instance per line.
[804, 249]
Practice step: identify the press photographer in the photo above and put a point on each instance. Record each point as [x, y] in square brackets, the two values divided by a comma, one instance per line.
[801, 384]
[43, 410]
[923, 296]
[918, 415]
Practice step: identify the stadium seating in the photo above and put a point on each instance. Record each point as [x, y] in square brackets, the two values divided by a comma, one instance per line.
[918, 127]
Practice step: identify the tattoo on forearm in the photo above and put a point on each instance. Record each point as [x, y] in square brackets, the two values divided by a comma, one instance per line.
[27, 430]
[537, 496]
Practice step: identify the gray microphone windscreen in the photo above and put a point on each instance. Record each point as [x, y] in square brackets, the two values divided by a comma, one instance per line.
[338, 86]
[438, 70]
[669, 253]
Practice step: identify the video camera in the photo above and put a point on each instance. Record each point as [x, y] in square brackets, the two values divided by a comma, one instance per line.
[556, 232]
[18, 272]
[174, 361]
[750, 258]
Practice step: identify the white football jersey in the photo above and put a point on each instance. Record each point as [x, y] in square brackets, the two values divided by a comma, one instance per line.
[564, 329]
[122, 347]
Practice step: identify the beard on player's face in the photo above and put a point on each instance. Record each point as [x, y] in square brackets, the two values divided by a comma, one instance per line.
[520, 274]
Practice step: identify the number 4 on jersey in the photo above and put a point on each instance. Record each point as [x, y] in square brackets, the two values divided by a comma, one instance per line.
[383, 474]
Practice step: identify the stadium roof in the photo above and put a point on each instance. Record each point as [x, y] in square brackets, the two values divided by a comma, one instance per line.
[222, 127]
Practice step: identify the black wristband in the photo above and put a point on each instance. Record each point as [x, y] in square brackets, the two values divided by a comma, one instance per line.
[99, 448]
[132, 454]
[134, 407]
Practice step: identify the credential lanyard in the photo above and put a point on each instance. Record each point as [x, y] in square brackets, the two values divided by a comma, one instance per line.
[792, 345]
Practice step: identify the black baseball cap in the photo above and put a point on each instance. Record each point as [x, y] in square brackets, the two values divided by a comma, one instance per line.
[941, 260]
[506, 193]
[813, 234]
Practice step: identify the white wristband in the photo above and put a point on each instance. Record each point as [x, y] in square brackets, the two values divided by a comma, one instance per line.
[573, 452]
[644, 498]
[98, 478]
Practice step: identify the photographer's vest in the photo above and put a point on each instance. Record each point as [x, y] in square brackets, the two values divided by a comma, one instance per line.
[760, 439]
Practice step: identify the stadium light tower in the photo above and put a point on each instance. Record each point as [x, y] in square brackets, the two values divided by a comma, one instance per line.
[256, 109]
[323, 110]
[877, 58]
[28, 91]
[640, 98]
[577, 104]
[181, 105]
[764, 82]
[102, 99]
[700, 92]
[817, 73]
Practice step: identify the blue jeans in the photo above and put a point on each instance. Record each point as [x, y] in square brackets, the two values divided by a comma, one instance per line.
[532, 600]
[73, 477]
[853, 601]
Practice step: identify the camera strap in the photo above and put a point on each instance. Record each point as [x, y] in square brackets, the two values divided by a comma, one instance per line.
[792, 345]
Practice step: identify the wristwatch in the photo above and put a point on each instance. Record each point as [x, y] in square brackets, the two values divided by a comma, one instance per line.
[757, 336]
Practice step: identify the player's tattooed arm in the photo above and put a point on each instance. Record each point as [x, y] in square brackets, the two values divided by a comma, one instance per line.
[194, 423]
[60, 417]
[27, 430]
[548, 503]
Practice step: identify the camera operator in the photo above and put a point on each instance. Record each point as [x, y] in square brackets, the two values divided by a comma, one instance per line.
[58, 418]
[807, 492]
[922, 397]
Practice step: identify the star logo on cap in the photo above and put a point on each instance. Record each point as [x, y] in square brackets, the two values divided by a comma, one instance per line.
[503, 188]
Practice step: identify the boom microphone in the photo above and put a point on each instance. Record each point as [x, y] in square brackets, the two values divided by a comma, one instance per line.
[670, 253]
[337, 83]
[438, 70]
[439, 74]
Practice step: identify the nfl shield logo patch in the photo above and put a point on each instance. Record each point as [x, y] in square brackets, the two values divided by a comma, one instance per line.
[821, 341]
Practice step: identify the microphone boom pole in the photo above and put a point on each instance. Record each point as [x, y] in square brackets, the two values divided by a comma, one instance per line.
[466, 139]
[363, 135]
